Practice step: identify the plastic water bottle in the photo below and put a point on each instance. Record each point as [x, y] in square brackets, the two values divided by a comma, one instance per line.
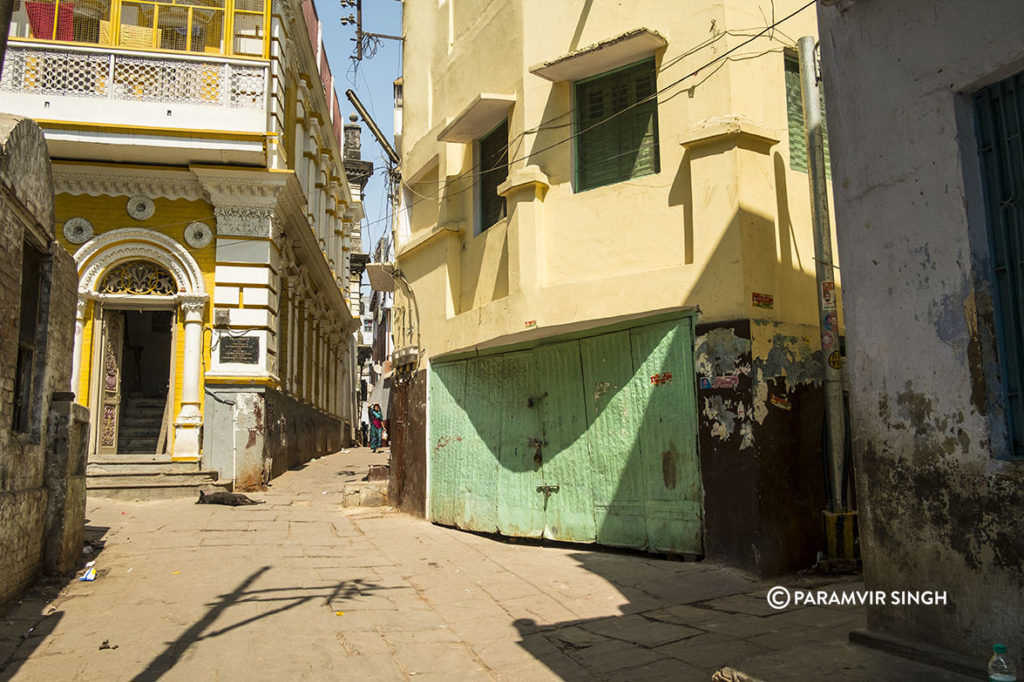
[1000, 667]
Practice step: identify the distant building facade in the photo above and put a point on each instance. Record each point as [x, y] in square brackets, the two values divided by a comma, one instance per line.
[925, 118]
[202, 189]
[606, 270]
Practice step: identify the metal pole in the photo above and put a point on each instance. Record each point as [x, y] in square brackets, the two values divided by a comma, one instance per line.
[373, 126]
[827, 303]
[359, 30]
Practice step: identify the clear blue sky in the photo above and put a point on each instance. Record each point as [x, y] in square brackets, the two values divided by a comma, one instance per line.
[372, 79]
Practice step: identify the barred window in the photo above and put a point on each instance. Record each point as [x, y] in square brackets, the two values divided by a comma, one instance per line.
[28, 327]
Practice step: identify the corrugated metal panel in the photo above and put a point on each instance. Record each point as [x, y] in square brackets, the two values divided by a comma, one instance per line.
[606, 425]
[477, 479]
[520, 510]
[447, 424]
[569, 512]
[666, 431]
[611, 409]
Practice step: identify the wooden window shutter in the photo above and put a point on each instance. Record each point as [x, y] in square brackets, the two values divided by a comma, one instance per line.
[617, 130]
[493, 172]
[795, 118]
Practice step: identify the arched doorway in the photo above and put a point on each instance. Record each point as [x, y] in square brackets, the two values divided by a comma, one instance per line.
[140, 290]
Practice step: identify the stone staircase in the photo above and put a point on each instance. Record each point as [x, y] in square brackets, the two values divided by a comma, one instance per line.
[139, 427]
[147, 477]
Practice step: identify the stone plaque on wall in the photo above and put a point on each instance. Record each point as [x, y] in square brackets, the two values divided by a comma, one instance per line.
[241, 349]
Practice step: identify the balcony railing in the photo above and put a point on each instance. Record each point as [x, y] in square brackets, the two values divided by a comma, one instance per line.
[62, 70]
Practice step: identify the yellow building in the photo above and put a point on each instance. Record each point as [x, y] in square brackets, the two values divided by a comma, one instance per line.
[611, 168]
[202, 191]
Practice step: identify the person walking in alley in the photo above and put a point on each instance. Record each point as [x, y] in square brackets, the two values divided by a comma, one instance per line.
[376, 426]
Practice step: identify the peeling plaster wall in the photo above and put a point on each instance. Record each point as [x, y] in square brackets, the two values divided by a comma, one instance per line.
[760, 418]
[254, 435]
[939, 509]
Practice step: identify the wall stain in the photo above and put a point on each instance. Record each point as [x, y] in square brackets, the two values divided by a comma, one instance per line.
[670, 466]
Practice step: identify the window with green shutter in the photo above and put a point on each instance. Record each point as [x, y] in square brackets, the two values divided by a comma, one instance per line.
[493, 154]
[795, 114]
[617, 126]
[999, 109]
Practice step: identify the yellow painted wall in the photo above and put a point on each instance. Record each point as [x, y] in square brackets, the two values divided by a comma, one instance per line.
[719, 222]
[170, 218]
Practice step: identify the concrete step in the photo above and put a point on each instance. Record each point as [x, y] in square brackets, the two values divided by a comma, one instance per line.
[156, 486]
[136, 447]
[365, 494]
[139, 464]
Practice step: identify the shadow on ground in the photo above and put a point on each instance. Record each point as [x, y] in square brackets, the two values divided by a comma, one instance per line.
[288, 597]
[683, 621]
[32, 618]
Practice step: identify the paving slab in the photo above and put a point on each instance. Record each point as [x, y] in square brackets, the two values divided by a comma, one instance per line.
[303, 588]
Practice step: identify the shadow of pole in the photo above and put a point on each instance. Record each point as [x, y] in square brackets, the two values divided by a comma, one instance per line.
[242, 595]
[166, 660]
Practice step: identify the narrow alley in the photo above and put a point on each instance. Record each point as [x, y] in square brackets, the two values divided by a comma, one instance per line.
[302, 587]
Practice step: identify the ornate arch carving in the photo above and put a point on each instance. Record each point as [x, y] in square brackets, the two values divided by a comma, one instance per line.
[96, 256]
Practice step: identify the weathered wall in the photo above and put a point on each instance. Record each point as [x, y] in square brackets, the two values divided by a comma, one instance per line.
[938, 508]
[29, 518]
[407, 430]
[759, 399]
[254, 435]
[65, 482]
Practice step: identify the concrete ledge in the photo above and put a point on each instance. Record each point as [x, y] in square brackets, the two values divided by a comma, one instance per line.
[732, 129]
[365, 494]
[921, 653]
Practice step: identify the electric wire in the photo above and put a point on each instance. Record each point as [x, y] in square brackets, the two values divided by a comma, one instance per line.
[724, 57]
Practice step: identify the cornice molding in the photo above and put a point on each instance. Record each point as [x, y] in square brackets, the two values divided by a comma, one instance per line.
[97, 181]
[227, 189]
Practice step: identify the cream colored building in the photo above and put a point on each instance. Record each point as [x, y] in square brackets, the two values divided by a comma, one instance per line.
[574, 169]
[202, 191]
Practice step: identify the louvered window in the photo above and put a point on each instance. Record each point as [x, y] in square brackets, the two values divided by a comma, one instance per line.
[493, 171]
[617, 126]
[795, 114]
[1000, 117]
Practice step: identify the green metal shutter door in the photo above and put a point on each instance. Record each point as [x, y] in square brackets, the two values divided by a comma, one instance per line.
[519, 505]
[481, 444]
[447, 424]
[569, 513]
[666, 430]
[611, 408]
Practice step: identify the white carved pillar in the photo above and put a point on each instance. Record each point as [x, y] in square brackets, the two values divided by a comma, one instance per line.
[76, 359]
[307, 355]
[293, 334]
[190, 419]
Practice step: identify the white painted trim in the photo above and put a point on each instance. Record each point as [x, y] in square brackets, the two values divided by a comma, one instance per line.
[110, 248]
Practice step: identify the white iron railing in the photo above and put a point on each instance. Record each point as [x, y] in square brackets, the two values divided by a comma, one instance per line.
[69, 71]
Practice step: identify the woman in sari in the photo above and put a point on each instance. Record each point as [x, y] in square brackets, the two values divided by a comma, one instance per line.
[376, 426]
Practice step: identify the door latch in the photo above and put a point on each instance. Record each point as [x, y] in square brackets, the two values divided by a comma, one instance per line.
[536, 444]
[547, 490]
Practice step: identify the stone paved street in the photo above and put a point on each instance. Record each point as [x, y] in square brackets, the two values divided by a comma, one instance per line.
[303, 588]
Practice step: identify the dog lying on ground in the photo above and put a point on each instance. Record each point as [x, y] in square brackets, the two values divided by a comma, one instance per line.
[229, 499]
